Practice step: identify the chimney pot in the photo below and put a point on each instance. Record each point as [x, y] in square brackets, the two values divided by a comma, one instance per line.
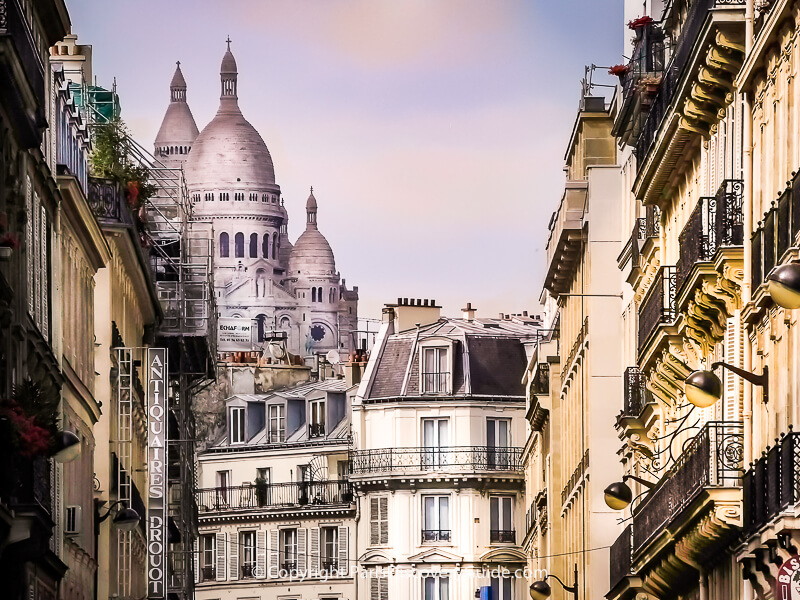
[399, 301]
[425, 302]
[524, 313]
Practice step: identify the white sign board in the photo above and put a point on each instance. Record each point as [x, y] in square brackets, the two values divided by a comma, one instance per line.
[157, 473]
[234, 333]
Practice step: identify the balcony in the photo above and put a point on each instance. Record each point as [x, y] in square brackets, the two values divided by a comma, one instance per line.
[317, 430]
[658, 307]
[208, 573]
[329, 564]
[246, 498]
[566, 237]
[455, 459]
[635, 393]
[435, 535]
[711, 461]
[772, 484]
[247, 571]
[539, 396]
[621, 555]
[694, 93]
[502, 536]
[109, 203]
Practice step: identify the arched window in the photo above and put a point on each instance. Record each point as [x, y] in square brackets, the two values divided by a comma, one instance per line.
[223, 245]
[265, 246]
[275, 244]
[253, 245]
[313, 294]
[239, 241]
[319, 294]
[260, 319]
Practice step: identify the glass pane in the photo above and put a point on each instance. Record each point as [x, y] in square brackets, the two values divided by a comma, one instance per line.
[443, 433]
[444, 588]
[502, 434]
[444, 513]
[490, 433]
[495, 587]
[507, 514]
[494, 517]
[507, 589]
[430, 588]
[428, 433]
[430, 513]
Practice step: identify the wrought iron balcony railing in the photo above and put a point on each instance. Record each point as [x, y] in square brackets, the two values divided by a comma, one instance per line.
[317, 430]
[329, 564]
[658, 307]
[435, 535]
[208, 573]
[247, 571]
[772, 484]
[275, 495]
[289, 566]
[635, 392]
[540, 386]
[647, 58]
[621, 557]
[420, 459]
[108, 202]
[713, 458]
[502, 536]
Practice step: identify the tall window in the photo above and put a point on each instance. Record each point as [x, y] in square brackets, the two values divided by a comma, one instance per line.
[317, 418]
[498, 441]
[223, 483]
[208, 557]
[437, 588]
[247, 553]
[237, 425]
[289, 549]
[500, 520]
[277, 424]
[379, 520]
[435, 371]
[239, 242]
[319, 294]
[275, 244]
[329, 548]
[379, 588]
[253, 245]
[436, 518]
[435, 440]
[223, 245]
[502, 588]
[265, 246]
[313, 294]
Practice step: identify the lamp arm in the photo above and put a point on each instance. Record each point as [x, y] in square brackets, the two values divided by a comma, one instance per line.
[760, 380]
[101, 518]
[648, 484]
[572, 589]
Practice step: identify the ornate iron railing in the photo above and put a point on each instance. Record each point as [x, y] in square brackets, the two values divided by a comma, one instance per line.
[729, 222]
[455, 458]
[435, 535]
[713, 458]
[540, 386]
[659, 305]
[502, 536]
[317, 430]
[647, 58]
[207, 573]
[697, 241]
[108, 203]
[775, 233]
[772, 484]
[275, 495]
[621, 555]
[635, 392]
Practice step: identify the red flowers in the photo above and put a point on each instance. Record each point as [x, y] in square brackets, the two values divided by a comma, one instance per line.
[34, 440]
[618, 70]
[9, 240]
[640, 22]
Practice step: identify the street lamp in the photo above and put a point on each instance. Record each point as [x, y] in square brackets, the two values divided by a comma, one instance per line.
[67, 446]
[783, 285]
[126, 518]
[618, 495]
[703, 388]
[540, 590]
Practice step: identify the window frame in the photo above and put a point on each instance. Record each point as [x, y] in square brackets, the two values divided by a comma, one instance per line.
[436, 581]
[237, 416]
[497, 529]
[284, 548]
[438, 534]
[330, 561]
[281, 418]
[247, 567]
[439, 381]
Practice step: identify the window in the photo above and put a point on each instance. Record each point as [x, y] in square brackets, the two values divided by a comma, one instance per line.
[498, 441]
[502, 587]
[237, 425]
[317, 418]
[434, 438]
[329, 548]
[500, 517]
[277, 424]
[319, 294]
[263, 197]
[378, 588]
[275, 244]
[379, 520]
[223, 245]
[289, 550]
[253, 245]
[208, 557]
[437, 588]
[435, 371]
[343, 469]
[247, 554]
[265, 246]
[239, 245]
[223, 483]
[436, 518]
[313, 294]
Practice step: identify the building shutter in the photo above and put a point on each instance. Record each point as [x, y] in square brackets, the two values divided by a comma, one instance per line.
[261, 554]
[273, 553]
[384, 588]
[30, 247]
[374, 589]
[734, 355]
[233, 557]
[384, 519]
[314, 552]
[221, 539]
[44, 323]
[374, 521]
[344, 565]
[196, 560]
[301, 551]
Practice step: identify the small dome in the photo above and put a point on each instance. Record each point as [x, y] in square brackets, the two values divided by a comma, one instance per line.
[311, 253]
[177, 78]
[178, 127]
[228, 63]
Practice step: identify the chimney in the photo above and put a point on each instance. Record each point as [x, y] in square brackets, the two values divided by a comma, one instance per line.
[411, 312]
[352, 373]
[468, 312]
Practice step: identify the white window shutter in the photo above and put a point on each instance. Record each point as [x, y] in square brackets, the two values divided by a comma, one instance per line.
[734, 355]
[233, 557]
[384, 588]
[221, 542]
[384, 519]
[44, 323]
[374, 589]
[261, 554]
[343, 554]
[30, 244]
[274, 541]
[301, 550]
[314, 552]
[196, 560]
[37, 263]
[374, 521]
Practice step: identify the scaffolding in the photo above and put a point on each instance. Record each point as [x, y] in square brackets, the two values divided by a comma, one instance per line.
[178, 250]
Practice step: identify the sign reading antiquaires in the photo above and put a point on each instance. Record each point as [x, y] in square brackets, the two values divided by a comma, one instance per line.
[156, 472]
[787, 584]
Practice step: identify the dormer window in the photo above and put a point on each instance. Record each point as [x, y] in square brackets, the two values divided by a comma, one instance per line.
[435, 371]
[317, 421]
[277, 424]
[237, 425]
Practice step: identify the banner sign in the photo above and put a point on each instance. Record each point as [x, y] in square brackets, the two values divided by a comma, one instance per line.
[157, 473]
[787, 584]
[234, 334]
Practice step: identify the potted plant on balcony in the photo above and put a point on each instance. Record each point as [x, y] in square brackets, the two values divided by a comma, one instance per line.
[649, 85]
[8, 243]
[620, 71]
[28, 421]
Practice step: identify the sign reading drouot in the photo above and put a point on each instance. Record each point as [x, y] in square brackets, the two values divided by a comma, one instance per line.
[157, 472]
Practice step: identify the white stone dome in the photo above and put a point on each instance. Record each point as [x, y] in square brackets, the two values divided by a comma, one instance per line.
[178, 127]
[312, 254]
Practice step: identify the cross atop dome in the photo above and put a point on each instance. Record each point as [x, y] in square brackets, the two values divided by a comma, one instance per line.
[229, 43]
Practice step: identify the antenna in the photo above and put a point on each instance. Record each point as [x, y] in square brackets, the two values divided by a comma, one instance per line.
[333, 357]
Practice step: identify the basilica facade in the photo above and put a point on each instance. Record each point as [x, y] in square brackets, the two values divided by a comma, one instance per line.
[260, 277]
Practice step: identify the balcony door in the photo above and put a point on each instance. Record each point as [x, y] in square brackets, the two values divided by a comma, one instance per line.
[501, 520]
[435, 439]
[223, 483]
[498, 441]
[436, 511]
